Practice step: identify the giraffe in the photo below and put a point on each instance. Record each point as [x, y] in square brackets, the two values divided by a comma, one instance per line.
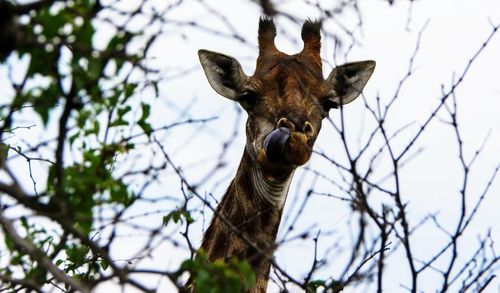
[286, 100]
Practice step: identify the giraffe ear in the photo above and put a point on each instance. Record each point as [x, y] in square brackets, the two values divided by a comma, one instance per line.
[348, 80]
[223, 72]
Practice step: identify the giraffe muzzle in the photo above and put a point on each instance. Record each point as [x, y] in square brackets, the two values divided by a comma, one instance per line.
[284, 146]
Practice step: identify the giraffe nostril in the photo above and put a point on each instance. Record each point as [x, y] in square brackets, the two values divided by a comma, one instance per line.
[308, 129]
[284, 122]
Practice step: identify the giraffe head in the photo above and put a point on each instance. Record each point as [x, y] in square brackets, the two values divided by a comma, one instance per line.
[286, 98]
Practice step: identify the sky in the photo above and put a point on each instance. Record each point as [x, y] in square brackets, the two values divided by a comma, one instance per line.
[451, 33]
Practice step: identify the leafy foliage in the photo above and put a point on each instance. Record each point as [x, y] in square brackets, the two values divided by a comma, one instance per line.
[71, 83]
[218, 276]
[331, 286]
[84, 90]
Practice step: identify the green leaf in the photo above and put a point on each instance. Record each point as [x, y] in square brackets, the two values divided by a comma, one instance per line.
[85, 33]
[95, 68]
[156, 88]
[9, 243]
[146, 111]
[177, 216]
[46, 100]
[187, 216]
[104, 264]
[120, 194]
[94, 129]
[52, 23]
[313, 286]
[129, 89]
[83, 117]
[40, 62]
[166, 219]
[77, 253]
[4, 151]
[120, 121]
[73, 137]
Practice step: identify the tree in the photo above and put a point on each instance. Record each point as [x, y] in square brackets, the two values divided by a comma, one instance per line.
[104, 180]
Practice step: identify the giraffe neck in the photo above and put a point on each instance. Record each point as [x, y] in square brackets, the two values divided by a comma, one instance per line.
[274, 191]
[253, 204]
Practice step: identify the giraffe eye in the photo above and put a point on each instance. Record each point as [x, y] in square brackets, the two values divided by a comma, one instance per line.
[328, 104]
[248, 100]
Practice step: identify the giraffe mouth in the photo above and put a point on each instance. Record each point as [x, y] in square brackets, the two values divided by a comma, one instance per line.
[283, 146]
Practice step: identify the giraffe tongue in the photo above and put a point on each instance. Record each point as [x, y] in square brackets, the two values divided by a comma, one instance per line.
[274, 144]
